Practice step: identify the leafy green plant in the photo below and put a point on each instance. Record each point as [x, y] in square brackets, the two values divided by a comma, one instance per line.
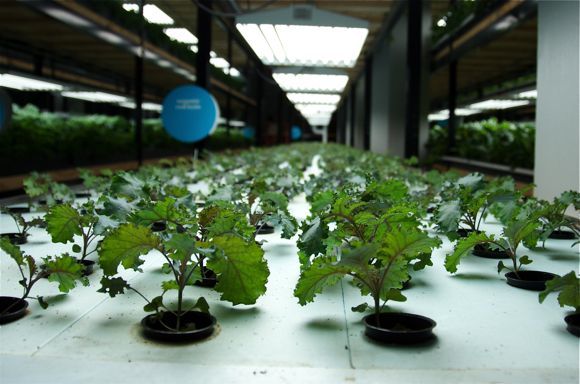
[62, 269]
[22, 225]
[372, 237]
[518, 230]
[553, 215]
[465, 203]
[63, 222]
[242, 272]
[41, 185]
[568, 288]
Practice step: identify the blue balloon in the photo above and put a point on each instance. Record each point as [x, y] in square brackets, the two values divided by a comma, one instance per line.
[296, 132]
[190, 113]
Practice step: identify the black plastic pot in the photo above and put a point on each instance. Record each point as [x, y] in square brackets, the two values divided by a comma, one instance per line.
[82, 195]
[562, 235]
[16, 308]
[16, 238]
[208, 280]
[400, 328]
[158, 226]
[483, 250]
[195, 326]
[463, 232]
[18, 209]
[89, 266]
[264, 229]
[530, 280]
[573, 323]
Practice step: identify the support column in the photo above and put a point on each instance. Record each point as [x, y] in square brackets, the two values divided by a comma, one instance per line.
[138, 75]
[203, 44]
[452, 105]
[368, 100]
[414, 57]
[228, 94]
[557, 154]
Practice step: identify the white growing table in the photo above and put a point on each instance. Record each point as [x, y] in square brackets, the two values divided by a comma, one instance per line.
[487, 332]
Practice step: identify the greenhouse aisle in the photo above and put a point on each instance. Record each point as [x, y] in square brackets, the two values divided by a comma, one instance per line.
[88, 337]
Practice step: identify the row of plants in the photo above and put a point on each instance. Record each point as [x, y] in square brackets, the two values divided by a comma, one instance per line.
[504, 142]
[42, 140]
[370, 222]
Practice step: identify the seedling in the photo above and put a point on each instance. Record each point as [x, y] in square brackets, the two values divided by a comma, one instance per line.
[518, 230]
[568, 287]
[62, 269]
[239, 264]
[374, 242]
[23, 225]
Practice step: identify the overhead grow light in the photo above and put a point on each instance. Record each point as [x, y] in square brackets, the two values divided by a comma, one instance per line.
[27, 84]
[291, 82]
[493, 104]
[151, 13]
[531, 94]
[313, 98]
[304, 35]
[181, 34]
[97, 97]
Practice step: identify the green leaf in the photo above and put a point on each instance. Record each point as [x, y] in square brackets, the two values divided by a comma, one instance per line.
[448, 215]
[64, 270]
[360, 308]
[183, 245]
[165, 210]
[113, 285]
[124, 246]
[43, 304]
[319, 275]
[154, 305]
[202, 305]
[569, 288]
[501, 266]
[63, 222]
[12, 250]
[525, 260]
[518, 230]
[463, 247]
[241, 268]
[169, 285]
[76, 248]
[311, 241]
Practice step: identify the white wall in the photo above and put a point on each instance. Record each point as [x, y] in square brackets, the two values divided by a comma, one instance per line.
[557, 154]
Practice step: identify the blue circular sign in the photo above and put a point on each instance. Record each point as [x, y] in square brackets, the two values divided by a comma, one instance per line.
[190, 113]
[249, 132]
[296, 132]
[5, 110]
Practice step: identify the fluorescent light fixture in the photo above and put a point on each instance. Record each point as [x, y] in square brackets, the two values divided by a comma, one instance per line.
[152, 13]
[193, 48]
[234, 72]
[181, 34]
[269, 32]
[304, 35]
[437, 116]
[97, 97]
[319, 120]
[494, 104]
[531, 94]
[444, 114]
[219, 62]
[304, 44]
[441, 22]
[313, 98]
[291, 82]
[315, 109]
[146, 106]
[67, 17]
[212, 54]
[254, 37]
[27, 84]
